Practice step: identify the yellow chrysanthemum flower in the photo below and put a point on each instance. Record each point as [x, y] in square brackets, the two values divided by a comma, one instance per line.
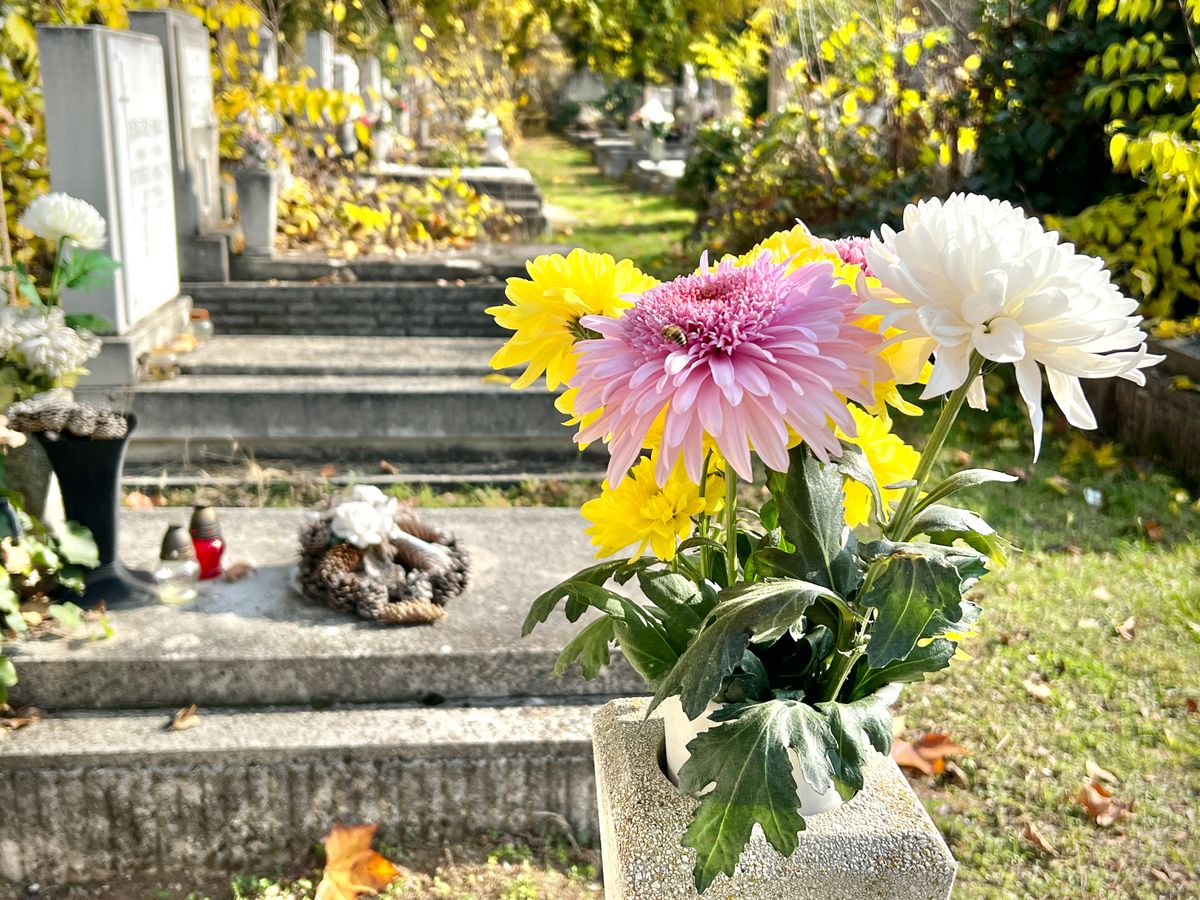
[640, 513]
[802, 247]
[891, 460]
[544, 310]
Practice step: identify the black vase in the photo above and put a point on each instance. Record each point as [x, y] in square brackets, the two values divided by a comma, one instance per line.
[89, 475]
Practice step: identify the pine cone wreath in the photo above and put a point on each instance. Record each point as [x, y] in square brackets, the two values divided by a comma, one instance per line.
[406, 580]
[110, 426]
[83, 420]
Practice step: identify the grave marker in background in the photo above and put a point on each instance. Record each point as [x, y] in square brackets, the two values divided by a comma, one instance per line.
[318, 56]
[203, 241]
[109, 143]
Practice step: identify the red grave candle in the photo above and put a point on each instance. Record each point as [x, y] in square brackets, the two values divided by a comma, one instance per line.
[207, 540]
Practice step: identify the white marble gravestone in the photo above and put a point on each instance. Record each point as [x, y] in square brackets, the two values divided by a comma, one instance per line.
[370, 84]
[318, 56]
[267, 55]
[109, 142]
[780, 89]
[203, 242]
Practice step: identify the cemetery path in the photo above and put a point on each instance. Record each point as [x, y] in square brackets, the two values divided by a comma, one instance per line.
[604, 215]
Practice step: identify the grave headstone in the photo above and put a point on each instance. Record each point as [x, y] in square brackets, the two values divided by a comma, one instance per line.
[109, 141]
[370, 85]
[689, 96]
[203, 243]
[318, 56]
[584, 86]
[724, 100]
[346, 80]
[267, 55]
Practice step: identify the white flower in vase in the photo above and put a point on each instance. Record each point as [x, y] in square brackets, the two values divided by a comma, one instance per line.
[974, 275]
[57, 216]
[51, 347]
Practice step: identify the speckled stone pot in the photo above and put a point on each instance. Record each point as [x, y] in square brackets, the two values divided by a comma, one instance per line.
[882, 844]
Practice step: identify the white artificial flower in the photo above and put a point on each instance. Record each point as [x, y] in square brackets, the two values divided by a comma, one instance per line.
[58, 215]
[8, 437]
[51, 347]
[653, 112]
[368, 493]
[975, 274]
[361, 524]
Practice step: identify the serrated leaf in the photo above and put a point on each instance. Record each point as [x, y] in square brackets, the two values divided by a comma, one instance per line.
[745, 758]
[944, 524]
[922, 660]
[853, 464]
[913, 588]
[747, 610]
[590, 647]
[67, 615]
[76, 544]
[850, 723]
[679, 599]
[544, 605]
[811, 507]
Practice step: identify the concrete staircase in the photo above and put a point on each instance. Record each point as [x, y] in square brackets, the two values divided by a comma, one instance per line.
[307, 716]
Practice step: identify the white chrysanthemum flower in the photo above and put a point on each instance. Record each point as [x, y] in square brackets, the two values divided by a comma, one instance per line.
[49, 346]
[361, 523]
[56, 216]
[368, 493]
[977, 275]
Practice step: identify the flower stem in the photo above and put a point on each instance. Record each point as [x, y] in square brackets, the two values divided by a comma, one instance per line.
[731, 563]
[56, 274]
[899, 523]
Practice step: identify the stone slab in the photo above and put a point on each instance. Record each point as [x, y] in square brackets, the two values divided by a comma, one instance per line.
[117, 364]
[387, 309]
[882, 844]
[257, 642]
[333, 355]
[86, 797]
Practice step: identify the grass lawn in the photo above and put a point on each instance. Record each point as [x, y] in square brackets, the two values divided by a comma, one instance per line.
[606, 215]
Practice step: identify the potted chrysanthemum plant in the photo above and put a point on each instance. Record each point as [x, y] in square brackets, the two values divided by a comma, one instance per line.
[775, 639]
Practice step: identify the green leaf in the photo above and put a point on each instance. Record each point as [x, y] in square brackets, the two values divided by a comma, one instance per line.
[68, 615]
[850, 723]
[745, 611]
[811, 507]
[76, 545]
[749, 682]
[944, 524]
[746, 760]
[963, 479]
[86, 269]
[544, 605]
[679, 599]
[590, 647]
[90, 321]
[853, 464]
[913, 588]
[932, 657]
[8, 677]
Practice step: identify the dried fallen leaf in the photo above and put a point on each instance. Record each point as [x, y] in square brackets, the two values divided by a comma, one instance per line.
[1127, 629]
[1101, 593]
[961, 458]
[1153, 530]
[1192, 705]
[387, 468]
[1035, 837]
[1101, 806]
[927, 754]
[239, 570]
[1039, 690]
[352, 868]
[12, 719]
[1098, 774]
[328, 471]
[188, 717]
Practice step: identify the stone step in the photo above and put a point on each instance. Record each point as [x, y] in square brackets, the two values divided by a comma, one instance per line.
[499, 260]
[258, 642]
[384, 309]
[355, 416]
[93, 796]
[279, 354]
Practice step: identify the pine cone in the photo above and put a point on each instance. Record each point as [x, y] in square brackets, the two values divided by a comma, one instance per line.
[343, 591]
[411, 612]
[339, 559]
[452, 581]
[110, 426]
[83, 420]
[370, 597]
[407, 519]
[315, 537]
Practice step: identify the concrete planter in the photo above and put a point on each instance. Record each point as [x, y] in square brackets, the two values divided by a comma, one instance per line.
[257, 192]
[880, 844]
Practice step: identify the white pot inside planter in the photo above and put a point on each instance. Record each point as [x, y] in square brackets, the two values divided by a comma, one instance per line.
[679, 731]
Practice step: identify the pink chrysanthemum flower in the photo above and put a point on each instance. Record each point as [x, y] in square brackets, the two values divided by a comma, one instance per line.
[742, 353]
[853, 250]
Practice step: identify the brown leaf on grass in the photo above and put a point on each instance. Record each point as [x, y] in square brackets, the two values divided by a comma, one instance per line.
[12, 719]
[1126, 629]
[1153, 530]
[352, 868]
[328, 471]
[1038, 690]
[1098, 774]
[927, 754]
[387, 468]
[961, 458]
[1101, 806]
[1192, 705]
[239, 570]
[1035, 837]
[188, 717]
